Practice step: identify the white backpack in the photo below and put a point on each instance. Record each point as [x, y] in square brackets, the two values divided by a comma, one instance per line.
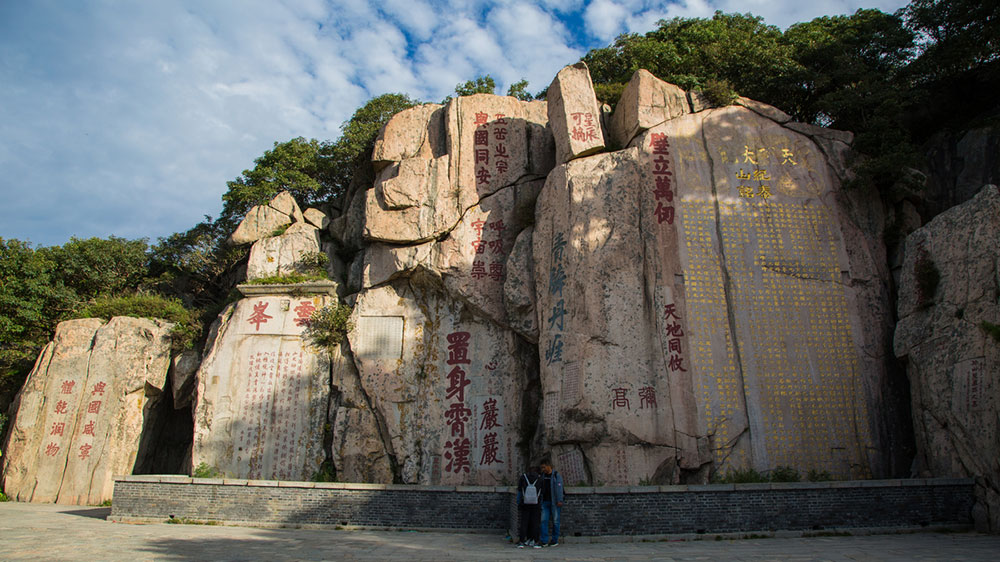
[530, 492]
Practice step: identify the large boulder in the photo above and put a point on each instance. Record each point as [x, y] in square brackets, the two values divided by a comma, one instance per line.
[645, 102]
[283, 254]
[574, 115]
[699, 311]
[949, 335]
[79, 416]
[262, 391]
[262, 221]
[446, 384]
[466, 151]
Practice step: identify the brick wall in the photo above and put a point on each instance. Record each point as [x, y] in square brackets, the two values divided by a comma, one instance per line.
[639, 510]
[258, 502]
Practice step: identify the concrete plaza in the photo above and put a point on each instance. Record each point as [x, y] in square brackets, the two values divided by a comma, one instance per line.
[59, 532]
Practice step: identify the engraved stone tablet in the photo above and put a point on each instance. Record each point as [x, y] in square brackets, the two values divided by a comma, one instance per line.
[381, 337]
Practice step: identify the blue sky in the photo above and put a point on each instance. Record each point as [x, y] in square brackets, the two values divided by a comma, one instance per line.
[127, 118]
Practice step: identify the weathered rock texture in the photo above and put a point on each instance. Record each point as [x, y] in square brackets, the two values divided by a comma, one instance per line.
[262, 393]
[434, 354]
[283, 254]
[80, 413]
[698, 308]
[645, 102]
[952, 359]
[574, 116]
[698, 302]
[705, 299]
[262, 220]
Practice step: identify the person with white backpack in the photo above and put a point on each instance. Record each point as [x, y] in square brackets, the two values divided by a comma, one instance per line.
[529, 498]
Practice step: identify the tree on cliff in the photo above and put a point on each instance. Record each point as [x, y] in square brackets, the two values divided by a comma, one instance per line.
[312, 171]
[41, 287]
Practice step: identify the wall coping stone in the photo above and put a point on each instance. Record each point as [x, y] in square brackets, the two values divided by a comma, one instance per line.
[895, 482]
[599, 511]
[263, 483]
[234, 482]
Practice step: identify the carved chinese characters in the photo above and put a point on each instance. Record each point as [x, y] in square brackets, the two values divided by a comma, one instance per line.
[574, 114]
[80, 414]
[774, 360]
[262, 393]
[609, 385]
[451, 403]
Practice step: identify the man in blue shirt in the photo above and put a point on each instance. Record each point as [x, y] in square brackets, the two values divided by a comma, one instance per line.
[552, 500]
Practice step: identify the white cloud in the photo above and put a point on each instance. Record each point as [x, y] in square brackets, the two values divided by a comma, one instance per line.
[129, 118]
[605, 19]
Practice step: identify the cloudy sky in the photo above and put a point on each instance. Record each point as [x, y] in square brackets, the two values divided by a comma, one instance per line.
[127, 118]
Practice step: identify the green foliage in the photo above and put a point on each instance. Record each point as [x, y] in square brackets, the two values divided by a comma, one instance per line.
[846, 72]
[296, 166]
[105, 503]
[187, 325]
[41, 287]
[777, 474]
[959, 34]
[185, 521]
[288, 279]
[993, 330]
[97, 267]
[818, 476]
[205, 471]
[478, 85]
[784, 474]
[313, 172]
[519, 90]
[348, 157]
[609, 93]
[737, 48]
[314, 262]
[328, 326]
[3, 426]
[32, 300]
[4, 498]
[739, 476]
[325, 473]
[720, 93]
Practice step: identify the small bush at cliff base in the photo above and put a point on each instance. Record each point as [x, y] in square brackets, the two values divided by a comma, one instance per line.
[328, 326]
[785, 474]
[205, 471]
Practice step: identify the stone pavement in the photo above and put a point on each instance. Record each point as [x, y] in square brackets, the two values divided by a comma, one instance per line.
[59, 532]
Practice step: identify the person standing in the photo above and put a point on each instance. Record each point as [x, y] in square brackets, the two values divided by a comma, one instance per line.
[528, 506]
[552, 501]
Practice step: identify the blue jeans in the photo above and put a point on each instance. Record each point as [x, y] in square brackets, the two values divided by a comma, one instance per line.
[550, 510]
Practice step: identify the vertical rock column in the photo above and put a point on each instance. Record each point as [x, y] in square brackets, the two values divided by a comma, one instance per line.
[79, 416]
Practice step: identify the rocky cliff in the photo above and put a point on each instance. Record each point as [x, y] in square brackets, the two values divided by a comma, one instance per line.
[658, 294]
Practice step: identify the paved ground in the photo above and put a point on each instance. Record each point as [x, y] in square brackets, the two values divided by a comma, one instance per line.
[51, 532]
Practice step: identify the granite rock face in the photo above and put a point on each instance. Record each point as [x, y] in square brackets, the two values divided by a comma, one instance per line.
[434, 353]
[263, 394]
[574, 116]
[262, 220]
[283, 254]
[80, 414]
[705, 299]
[645, 102]
[951, 357]
[699, 310]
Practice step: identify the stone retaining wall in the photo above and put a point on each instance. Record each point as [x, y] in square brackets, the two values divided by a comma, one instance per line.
[602, 511]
